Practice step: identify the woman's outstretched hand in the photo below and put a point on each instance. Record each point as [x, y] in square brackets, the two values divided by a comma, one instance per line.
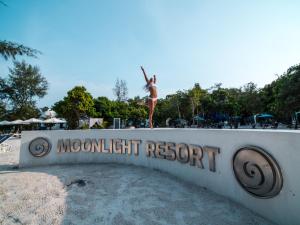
[144, 74]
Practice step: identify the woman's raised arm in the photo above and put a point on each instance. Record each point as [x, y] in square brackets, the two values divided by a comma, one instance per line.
[145, 75]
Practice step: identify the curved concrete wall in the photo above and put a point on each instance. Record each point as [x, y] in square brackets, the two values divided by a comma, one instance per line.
[203, 157]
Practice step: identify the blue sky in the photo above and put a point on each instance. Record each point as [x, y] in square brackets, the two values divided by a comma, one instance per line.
[94, 42]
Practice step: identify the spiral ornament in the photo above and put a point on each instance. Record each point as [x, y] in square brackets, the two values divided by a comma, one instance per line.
[257, 172]
[39, 147]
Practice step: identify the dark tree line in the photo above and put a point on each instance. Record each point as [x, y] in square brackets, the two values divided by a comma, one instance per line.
[281, 98]
[79, 104]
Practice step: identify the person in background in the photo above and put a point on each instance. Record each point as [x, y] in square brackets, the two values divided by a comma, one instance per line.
[152, 99]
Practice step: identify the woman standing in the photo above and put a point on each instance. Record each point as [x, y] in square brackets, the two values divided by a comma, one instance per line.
[152, 99]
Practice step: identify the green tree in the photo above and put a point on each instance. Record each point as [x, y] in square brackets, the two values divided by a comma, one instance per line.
[77, 104]
[44, 109]
[10, 49]
[132, 111]
[282, 96]
[3, 96]
[220, 100]
[195, 94]
[103, 107]
[22, 88]
[165, 109]
[60, 108]
[174, 106]
[137, 111]
[2, 110]
[250, 100]
[269, 98]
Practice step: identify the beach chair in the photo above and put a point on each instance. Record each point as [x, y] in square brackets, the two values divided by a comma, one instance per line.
[4, 137]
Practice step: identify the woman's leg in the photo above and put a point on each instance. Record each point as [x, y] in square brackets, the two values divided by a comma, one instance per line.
[153, 104]
[151, 109]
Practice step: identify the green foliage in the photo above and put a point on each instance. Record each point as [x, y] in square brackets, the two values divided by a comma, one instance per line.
[85, 126]
[137, 111]
[44, 109]
[280, 98]
[104, 125]
[10, 49]
[77, 104]
[250, 100]
[83, 101]
[27, 111]
[103, 107]
[21, 89]
[195, 95]
[131, 111]
[2, 110]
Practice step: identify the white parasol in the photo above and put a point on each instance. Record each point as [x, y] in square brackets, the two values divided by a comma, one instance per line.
[18, 122]
[54, 120]
[34, 120]
[5, 122]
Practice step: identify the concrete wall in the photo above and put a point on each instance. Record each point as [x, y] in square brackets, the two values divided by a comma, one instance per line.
[284, 146]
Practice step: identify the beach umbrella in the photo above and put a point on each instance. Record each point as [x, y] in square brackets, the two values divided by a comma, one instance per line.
[264, 115]
[54, 120]
[34, 120]
[18, 122]
[5, 123]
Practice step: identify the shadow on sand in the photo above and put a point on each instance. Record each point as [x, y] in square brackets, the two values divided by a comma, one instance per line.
[110, 194]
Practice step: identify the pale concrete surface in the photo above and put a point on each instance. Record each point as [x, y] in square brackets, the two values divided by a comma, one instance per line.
[10, 158]
[113, 194]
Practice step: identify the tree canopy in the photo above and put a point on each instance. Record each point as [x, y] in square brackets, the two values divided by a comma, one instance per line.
[280, 98]
[77, 104]
[10, 49]
[20, 90]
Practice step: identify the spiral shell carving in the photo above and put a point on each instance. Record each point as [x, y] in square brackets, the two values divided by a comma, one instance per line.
[39, 147]
[257, 172]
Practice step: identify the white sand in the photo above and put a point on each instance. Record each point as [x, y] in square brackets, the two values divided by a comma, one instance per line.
[113, 194]
[10, 157]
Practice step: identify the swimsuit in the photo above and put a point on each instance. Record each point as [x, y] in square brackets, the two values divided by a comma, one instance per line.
[151, 84]
[151, 98]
